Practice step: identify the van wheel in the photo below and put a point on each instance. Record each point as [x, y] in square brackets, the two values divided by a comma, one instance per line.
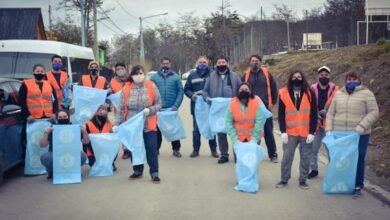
[1, 171]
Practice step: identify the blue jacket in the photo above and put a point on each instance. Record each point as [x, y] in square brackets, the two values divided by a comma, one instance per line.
[195, 82]
[170, 88]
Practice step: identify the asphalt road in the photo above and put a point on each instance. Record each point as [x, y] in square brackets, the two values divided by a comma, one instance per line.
[190, 188]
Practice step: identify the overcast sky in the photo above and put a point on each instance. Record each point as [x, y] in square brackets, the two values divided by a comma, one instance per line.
[175, 8]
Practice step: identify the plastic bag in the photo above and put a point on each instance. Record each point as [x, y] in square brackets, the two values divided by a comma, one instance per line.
[170, 125]
[217, 114]
[202, 118]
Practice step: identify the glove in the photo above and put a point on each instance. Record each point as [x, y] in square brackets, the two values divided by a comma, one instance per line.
[146, 112]
[309, 139]
[30, 119]
[359, 129]
[108, 101]
[173, 108]
[284, 137]
[328, 133]
[322, 114]
[207, 100]
[114, 128]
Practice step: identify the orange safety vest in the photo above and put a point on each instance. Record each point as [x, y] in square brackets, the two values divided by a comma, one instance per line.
[297, 122]
[39, 103]
[266, 75]
[86, 80]
[244, 124]
[151, 120]
[58, 88]
[94, 130]
[116, 86]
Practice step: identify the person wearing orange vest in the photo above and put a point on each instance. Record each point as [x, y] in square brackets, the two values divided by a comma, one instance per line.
[57, 78]
[37, 97]
[264, 86]
[297, 115]
[245, 119]
[324, 91]
[97, 125]
[142, 95]
[92, 79]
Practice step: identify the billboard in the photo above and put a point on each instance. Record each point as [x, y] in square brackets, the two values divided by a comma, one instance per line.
[312, 38]
[377, 7]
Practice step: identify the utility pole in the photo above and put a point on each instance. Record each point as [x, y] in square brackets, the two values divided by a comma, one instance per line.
[366, 21]
[261, 31]
[288, 33]
[223, 29]
[141, 51]
[95, 41]
[307, 32]
[50, 22]
[82, 26]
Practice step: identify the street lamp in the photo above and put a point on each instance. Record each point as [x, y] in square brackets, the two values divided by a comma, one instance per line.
[142, 51]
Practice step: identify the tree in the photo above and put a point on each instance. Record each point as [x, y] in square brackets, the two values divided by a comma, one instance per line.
[66, 31]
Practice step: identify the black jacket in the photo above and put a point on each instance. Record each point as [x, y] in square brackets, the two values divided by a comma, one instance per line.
[195, 82]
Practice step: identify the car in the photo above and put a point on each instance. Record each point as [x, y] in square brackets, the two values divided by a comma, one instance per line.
[185, 75]
[150, 74]
[11, 125]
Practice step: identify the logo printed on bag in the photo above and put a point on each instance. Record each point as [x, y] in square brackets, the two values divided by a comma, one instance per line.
[85, 112]
[66, 161]
[249, 159]
[104, 160]
[90, 94]
[35, 161]
[35, 136]
[343, 164]
[66, 136]
[220, 123]
[339, 187]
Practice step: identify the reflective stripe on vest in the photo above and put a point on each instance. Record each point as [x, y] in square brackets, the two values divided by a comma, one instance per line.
[87, 81]
[116, 86]
[244, 124]
[297, 122]
[151, 120]
[58, 88]
[266, 75]
[39, 103]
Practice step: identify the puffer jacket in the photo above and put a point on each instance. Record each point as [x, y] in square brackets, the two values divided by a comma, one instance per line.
[170, 88]
[347, 111]
[195, 83]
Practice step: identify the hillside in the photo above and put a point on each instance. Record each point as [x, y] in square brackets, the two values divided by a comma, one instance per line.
[373, 62]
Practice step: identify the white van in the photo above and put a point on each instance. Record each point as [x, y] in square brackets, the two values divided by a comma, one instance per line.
[17, 57]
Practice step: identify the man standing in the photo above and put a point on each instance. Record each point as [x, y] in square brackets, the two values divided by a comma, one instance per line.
[264, 86]
[222, 83]
[171, 91]
[324, 91]
[120, 78]
[57, 78]
[92, 79]
[192, 89]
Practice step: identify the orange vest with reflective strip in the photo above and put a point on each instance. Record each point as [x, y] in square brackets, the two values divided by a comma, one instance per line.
[244, 124]
[94, 130]
[39, 103]
[58, 88]
[86, 80]
[151, 120]
[116, 86]
[266, 75]
[297, 122]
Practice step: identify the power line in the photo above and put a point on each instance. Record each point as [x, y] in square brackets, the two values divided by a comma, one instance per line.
[112, 22]
[123, 8]
[108, 27]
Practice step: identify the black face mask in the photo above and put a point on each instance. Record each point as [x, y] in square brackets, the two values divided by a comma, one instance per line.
[63, 121]
[297, 82]
[102, 119]
[39, 76]
[244, 95]
[93, 72]
[324, 81]
[255, 67]
[222, 68]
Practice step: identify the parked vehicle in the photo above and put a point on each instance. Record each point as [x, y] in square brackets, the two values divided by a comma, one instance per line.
[150, 74]
[185, 75]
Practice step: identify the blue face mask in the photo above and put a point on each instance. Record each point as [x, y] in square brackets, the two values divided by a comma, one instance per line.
[202, 68]
[57, 66]
[351, 86]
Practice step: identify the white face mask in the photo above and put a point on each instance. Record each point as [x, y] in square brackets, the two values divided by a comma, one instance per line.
[121, 73]
[138, 78]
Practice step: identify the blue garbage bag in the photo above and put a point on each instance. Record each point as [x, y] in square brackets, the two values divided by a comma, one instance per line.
[115, 99]
[86, 102]
[248, 156]
[130, 133]
[170, 125]
[343, 151]
[266, 113]
[66, 154]
[217, 114]
[34, 133]
[202, 118]
[105, 148]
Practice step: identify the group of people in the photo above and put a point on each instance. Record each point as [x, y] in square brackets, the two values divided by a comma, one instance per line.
[305, 113]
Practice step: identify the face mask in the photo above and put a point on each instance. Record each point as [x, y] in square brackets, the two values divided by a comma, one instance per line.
[39, 76]
[324, 81]
[222, 68]
[57, 66]
[244, 95]
[121, 73]
[202, 68]
[101, 118]
[165, 69]
[93, 72]
[138, 78]
[297, 82]
[63, 121]
[255, 66]
[351, 86]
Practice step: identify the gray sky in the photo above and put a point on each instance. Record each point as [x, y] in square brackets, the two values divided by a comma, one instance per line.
[175, 8]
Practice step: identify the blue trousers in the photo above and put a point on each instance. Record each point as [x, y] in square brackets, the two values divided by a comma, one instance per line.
[150, 139]
[363, 144]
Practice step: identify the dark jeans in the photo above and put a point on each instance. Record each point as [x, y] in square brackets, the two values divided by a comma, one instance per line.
[223, 145]
[363, 144]
[269, 137]
[196, 138]
[150, 139]
[175, 144]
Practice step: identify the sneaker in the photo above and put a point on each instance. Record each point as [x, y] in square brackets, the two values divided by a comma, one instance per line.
[156, 179]
[303, 185]
[357, 192]
[214, 154]
[274, 159]
[135, 176]
[223, 160]
[49, 176]
[281, 184]
[194, 154]
[176, 153]
[312, 174]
